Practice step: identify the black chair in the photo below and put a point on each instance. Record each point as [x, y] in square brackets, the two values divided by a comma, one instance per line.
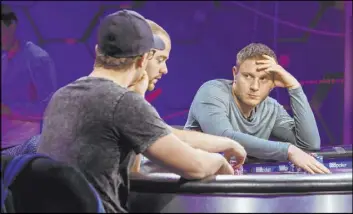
[28, 147]
[45, 185]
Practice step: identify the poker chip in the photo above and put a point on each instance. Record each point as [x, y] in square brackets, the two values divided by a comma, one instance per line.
[237, 171]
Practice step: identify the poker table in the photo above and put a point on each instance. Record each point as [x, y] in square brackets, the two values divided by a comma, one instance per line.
[265, 186]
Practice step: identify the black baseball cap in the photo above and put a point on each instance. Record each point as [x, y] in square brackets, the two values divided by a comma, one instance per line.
[126, 33]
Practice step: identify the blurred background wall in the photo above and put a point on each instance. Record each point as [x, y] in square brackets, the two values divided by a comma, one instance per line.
[308, 38]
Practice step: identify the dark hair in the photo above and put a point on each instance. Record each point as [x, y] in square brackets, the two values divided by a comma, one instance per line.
[121, 63]
[7, 16]
[109, 62]
[254, 51]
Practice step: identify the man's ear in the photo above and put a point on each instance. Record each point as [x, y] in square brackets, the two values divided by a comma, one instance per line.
[141, 61]
[235, 71]
[96, 50]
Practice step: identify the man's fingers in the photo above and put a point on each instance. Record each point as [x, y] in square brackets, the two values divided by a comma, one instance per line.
[269, 71]
[319, 166]
[240, 162]
[268, 57]
[263, 67]
[308, 169]
[230, 170]
[322, 167]
[264, 61]
[316, 169]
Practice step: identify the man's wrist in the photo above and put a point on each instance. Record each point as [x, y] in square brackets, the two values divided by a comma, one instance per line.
[231, 148]
[229, 143]
[294, 86]
[291, 150]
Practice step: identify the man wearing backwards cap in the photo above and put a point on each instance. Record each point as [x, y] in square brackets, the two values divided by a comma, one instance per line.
[98, 125]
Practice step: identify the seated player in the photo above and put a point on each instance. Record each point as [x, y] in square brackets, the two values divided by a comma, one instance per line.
[156, 69]
[28, 81]
[98, 125]
[243, 111]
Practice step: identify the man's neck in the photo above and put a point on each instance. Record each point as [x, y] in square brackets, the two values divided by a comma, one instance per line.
[15, 47]
[122, 78]
[245, 110]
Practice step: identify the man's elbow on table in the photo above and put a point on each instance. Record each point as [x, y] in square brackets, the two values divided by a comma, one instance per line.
[313, 144]
[316, 145]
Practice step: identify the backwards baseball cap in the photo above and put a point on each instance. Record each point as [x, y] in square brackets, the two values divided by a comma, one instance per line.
[125, 34]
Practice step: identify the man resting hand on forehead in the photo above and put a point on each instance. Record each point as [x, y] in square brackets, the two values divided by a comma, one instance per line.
[156, 69]
[242, 110]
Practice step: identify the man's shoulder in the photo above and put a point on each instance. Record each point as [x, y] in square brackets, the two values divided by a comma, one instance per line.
[35, 51]
[270, 102]
[93, 87]
[220, 84]
[214, 91]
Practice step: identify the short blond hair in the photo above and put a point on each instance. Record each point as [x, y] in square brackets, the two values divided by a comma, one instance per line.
[157, 29]
[254, 51]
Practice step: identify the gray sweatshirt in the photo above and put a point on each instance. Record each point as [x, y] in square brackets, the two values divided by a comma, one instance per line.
[214, 111]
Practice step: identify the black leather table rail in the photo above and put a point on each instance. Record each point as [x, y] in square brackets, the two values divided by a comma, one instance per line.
[335, 154]
[158, 191]
[279, 184]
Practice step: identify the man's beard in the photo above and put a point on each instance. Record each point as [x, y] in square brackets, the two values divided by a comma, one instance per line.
[151, 86]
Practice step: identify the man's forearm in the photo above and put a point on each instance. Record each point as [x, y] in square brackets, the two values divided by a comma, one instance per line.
[256, 147]
[260, 148]
[137, 164]
[306, 131]
[205, 142]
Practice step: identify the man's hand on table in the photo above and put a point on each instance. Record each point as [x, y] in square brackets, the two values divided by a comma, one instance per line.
[226, 169]
[306, 161]
[236, 150]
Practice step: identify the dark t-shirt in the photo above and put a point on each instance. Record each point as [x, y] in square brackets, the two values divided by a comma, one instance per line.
[99, 127]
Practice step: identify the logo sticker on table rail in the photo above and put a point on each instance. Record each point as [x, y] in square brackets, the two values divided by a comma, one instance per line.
[339, 164]
[290, 167]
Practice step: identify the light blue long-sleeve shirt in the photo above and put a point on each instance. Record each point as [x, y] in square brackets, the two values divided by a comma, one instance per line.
[27, 83]
[214, 111]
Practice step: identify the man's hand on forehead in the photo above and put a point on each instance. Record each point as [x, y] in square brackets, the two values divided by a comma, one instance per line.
[264, 64]
[281, 77]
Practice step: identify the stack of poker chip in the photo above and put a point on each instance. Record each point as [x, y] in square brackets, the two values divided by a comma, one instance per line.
[237, 171]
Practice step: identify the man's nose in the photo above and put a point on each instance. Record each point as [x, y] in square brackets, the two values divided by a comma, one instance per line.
[164, 70]
[255, 85]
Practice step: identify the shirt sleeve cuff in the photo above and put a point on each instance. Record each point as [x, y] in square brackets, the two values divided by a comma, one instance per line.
[285, 151]
[296, 90]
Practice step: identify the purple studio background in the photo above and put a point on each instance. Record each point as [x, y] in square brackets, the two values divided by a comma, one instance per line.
[308, 37]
